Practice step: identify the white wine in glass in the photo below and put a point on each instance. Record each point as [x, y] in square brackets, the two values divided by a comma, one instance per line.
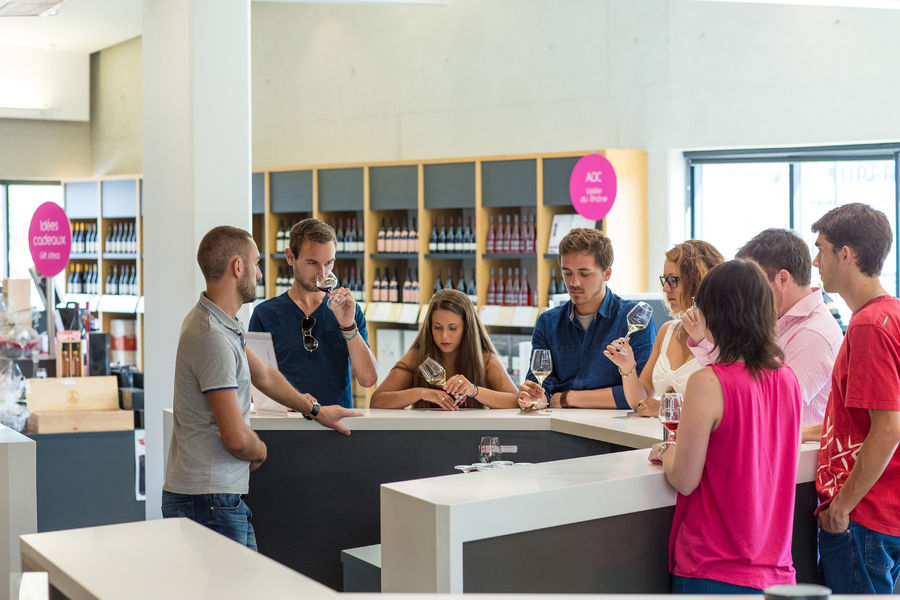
[638, 317]
[435, 375]
[541, 364]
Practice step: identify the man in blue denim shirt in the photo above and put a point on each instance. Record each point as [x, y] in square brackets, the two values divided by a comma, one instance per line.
[578, 331]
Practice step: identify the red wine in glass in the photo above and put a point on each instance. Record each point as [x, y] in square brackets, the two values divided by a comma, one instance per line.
[672, 426]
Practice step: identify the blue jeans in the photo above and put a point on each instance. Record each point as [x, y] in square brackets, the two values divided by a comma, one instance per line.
[859, 561]
[224, 513]
[694, 585]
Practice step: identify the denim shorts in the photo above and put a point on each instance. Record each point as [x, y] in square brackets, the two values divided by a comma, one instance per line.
[696, 585]
[224, 513]
[859, 561]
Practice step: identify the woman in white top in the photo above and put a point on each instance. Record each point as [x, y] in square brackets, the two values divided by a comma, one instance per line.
[670, 364]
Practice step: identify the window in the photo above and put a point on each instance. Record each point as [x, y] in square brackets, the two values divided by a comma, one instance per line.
[736, 194]
[21, 202]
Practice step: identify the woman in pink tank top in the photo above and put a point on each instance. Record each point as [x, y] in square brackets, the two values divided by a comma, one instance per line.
[734, 463]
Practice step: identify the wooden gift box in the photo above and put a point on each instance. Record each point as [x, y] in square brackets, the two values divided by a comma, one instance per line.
[72, 404]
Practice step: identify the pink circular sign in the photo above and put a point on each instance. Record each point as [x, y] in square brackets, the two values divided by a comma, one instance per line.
[50, 239]
[592, 186]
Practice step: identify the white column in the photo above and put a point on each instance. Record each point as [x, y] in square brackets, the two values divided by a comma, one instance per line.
[196, 132]
[18, 500]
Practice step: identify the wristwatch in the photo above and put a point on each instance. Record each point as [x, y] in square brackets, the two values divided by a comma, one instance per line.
[314, 412]
[663, 447]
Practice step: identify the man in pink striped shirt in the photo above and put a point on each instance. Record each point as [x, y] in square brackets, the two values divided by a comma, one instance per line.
[807, 332]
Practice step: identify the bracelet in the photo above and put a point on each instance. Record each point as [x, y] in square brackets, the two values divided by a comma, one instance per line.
[562, 400]
[663, 447]
[475, 393]
[350, 327]
[350, 336]
[624, 375]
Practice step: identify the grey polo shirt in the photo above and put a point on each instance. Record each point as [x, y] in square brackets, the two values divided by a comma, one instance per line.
[210, 357]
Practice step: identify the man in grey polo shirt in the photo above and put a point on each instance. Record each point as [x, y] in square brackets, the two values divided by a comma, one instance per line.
[213, 448]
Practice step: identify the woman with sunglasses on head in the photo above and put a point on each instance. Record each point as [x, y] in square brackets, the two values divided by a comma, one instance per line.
[734, 464]
[671, 361]
[453, 335]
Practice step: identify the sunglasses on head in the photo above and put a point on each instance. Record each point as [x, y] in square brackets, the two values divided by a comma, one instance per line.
[309, 342]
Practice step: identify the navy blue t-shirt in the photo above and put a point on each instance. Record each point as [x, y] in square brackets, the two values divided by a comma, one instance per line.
[325, 372]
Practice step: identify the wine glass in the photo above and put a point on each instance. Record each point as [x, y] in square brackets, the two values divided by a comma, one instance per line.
[638, 317]
[489, 450]
[541, 367]
[435, 375]
[327, 283]
[670, 412]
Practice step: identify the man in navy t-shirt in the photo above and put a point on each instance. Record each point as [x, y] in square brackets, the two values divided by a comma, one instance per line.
[315, 345]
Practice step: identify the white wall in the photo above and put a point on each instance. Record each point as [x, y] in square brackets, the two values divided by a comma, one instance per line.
[346, 83]
[37, 83]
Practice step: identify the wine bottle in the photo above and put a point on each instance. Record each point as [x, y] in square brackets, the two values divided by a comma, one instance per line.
[470, 237]
[416, 292]
[513, 287]
[437, 284]
[394, 296]
[380, 245]
[490, 240]
[403, 243]
[442, 237]
[449, 284]
[461, 282]
[492, 290]
[376, 286]
[499, 293]
[458, 242]
[471, 290]
[339, 234]
[433, 240]
[552, 290]
[413, 244]
[389, 238]
[515, 237]
[524, 290]
[407, 287]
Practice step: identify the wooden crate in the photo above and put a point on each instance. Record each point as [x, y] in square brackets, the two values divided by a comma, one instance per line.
[73, 394]
[71, 421]
[72, 404]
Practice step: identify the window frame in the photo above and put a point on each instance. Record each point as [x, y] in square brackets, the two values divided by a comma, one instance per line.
[792, 156]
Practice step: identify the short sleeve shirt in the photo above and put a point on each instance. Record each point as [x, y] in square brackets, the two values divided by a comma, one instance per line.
[210, 356]
[866, 376]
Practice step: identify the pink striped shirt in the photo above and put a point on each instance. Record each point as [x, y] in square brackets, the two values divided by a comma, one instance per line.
[810, 338]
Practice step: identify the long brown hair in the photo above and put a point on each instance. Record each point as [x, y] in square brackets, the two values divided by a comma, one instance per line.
[739, 308]
[474, 345]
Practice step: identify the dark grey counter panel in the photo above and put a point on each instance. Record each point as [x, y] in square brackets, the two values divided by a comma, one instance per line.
[318, 492]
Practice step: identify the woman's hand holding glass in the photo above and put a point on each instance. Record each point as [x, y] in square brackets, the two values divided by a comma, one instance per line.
[439, 398]
[459, 387]
[620, 353]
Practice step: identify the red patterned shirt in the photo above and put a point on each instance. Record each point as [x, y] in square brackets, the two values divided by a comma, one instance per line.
[866, 376]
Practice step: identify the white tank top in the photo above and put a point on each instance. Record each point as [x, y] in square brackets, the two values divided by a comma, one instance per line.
[664, 377]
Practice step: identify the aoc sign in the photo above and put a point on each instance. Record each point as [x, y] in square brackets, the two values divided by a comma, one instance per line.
[592, 186]
[50, 239]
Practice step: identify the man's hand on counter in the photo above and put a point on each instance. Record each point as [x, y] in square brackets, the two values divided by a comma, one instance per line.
[330, 416]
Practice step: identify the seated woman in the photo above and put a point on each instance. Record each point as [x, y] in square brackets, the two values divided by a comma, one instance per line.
[670, 364]
[452, 334]
[734, 464]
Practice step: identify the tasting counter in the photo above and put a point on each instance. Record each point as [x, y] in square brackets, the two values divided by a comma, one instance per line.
[318, 492]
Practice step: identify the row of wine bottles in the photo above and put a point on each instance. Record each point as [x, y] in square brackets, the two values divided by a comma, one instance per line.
[84, 238]
[514, 291]
[511, 237]
[85, 279]
[349, 238]
[402, 238]
[456, 240]
[121, 238]
[467, 287]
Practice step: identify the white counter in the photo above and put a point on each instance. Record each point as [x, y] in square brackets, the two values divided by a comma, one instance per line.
[18, 500]
[167, 558]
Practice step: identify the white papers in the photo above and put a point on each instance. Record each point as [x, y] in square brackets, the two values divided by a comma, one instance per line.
[261, 344]
[563, 224]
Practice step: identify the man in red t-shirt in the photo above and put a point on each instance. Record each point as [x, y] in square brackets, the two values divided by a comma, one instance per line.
[858, 479]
